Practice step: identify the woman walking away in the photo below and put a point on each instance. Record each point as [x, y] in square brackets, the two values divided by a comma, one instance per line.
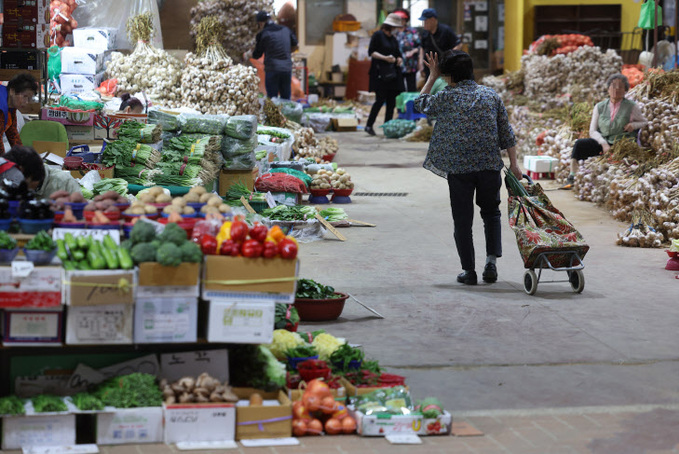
[386, 79]
[470, 131]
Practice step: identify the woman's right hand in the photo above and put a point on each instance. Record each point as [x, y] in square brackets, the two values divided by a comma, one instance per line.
[390, 59]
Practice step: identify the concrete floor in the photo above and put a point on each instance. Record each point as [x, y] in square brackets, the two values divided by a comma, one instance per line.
[595, 372]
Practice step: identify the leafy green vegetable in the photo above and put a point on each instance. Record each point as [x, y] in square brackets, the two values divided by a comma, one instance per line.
[285, 314]
[272, 133]
[87, 402]
[286, 213]
[110, 184]
[333, 214]
[140, 132]
[41, 242]
[11, 405]
[341, 358]
[6, 241]
[303, 351]
[308, 288]
[131, 391]
[45, 403]
[126, 152]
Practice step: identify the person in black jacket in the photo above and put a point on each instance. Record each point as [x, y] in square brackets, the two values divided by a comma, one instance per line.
[386, 79]
[436, 37]
[276, 43]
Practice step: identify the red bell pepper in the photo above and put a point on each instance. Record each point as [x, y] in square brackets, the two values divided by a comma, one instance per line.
[288, 249]
[252, 249]
[259, 232]
[270, 250]
[230, 248]
[208, 244]
[239, 230]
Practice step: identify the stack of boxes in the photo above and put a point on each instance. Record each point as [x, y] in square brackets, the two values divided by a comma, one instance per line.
[26, 24]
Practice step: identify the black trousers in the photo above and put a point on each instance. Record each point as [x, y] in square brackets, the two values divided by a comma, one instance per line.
[486, 185]
[382, 96]
[410, 81]
[586, 148]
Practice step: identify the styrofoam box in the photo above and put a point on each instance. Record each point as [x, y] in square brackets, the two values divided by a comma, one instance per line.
[107, 324]
[244, 322]
[165, 320]
[76, 60]
[50, 430]
[76, 84]
[95, 38]
[130, 425]
[540, 164]
[200, 422]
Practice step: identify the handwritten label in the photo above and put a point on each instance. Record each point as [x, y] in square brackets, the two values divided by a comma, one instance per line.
[146, 364]
[21, 269]
[84, 376]
[269, 199]
[328, 226]
[96, 234]
[177, 365]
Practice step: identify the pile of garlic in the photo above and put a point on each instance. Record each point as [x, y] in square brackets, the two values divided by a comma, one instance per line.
[239, 16]
[147, 69]
[219, 87]
[327, 179]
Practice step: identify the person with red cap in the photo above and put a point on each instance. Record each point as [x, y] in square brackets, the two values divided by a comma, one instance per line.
[409, 41]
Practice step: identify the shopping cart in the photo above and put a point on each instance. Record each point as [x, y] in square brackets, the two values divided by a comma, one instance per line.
[546, 239]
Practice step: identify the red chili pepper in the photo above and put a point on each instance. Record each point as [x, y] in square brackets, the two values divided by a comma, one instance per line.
[270, 250]
[251, 248]
[259, 232]
[208, 244]
[287, 249]
[230, 248]
[239, 230]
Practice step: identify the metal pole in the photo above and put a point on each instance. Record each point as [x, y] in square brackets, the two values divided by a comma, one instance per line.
[654, 62]
[676, 33]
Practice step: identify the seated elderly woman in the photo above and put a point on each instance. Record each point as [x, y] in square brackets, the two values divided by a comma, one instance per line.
[612, 119]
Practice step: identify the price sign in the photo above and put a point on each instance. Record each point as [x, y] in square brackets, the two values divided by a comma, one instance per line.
[96, 234]
[21, 269]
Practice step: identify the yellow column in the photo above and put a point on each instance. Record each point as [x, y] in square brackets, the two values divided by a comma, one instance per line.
[513, 34]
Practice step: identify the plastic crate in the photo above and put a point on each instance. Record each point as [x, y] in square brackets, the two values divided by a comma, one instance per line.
[410, 113]
[346, 25]
[83, 151]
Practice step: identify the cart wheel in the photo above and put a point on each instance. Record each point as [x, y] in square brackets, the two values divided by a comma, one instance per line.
[530, 282]
[577, 280]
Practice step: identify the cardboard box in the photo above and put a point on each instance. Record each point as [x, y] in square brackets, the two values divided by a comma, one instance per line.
[27, 35]
[19, 60]
[95, 288]
[39, 290]
[32, 327]
[540, 164]
[155, 275]
[228, 178]
[76, 84]
[68, 118]
[241, 322]
[80, 133]
[26, 11]
[95, 38]
[130, 425]
[199, 422]
[344, 124]
[381, 425]
[221, 272]
[75, 60]
[110, 324]
[354, 391]
[57, 148]
[271, 420]
[51, 430]
[165, 320]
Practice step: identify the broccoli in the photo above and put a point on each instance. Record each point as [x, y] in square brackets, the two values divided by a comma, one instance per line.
[142, 232]
[191, 252]
[156, 243]
[127, 244]
[169, 254]
[143, 252]
[172, 233]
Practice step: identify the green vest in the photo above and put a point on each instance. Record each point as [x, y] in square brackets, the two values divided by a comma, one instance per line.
[614, 130]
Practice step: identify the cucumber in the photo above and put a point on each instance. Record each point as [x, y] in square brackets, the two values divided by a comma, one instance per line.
[69, 239]
[69, 265]
[78, 254]
[111, 258]
[84, 266]
[82, 242]
[61, 251]
[125, 259]
[109, 243]
[95, 259]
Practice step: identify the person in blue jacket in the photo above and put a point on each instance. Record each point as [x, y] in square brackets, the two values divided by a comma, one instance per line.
[276, 43]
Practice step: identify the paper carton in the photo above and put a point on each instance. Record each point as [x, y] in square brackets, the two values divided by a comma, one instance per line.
[15, 59]
[104, 287]
[344, 124]
[26, 35]
[27, 11]
[165, 320]
[156, 275]
[199, 422]
[76, 84]
[229, 277]
[130, 425]
[241, 322]
[76, 60]
[40, 289]
[95, 38]
[32, 327]
[381, 425]
[271, 420]
[57, 148]
[228, 178]
[110, 324]
[23, 431]
[67, 117]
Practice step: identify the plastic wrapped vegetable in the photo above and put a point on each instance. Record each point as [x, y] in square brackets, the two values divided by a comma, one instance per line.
[234, 147]
[203, 124]
[284, 340]
[241, 127]
[326, 344]
[395, 129]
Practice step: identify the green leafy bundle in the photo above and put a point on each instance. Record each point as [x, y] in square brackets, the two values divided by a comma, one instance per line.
[139, 132]
[127, 152]
[286, 213]
[110, 184]
[45, 403]
[11, 405]
[308, 288]
[42, 241]
[130, 391]
[87, 402]
[142, 176]
[181, 175]
[6, 241]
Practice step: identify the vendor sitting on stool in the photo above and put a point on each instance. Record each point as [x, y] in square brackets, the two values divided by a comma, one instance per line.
[612, 119]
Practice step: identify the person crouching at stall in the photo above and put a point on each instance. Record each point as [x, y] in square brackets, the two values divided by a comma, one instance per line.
[24, 163]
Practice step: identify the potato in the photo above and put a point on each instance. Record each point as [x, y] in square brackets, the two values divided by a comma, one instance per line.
[112, 209]
[188, 210]
[147, 198]
[122, 200]
[205, 197]
[98, 198]
[200, 190]
[112, 195]
[214, 201]
[106, 203]
[59, 194]
[91, 206]
[156, 191]
[135, 210]
[163, 198]
[204, 209]
[172, 209]
[150, 209]
[138, 203]
[224, 208]
[179, 202]
[192, 197]
[210, 209]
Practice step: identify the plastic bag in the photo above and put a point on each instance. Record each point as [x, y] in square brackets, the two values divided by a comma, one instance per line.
[646, 16]
[302, 231]
[54, 63]
[203, 124]
[235, 147]
[240, 161]
[395, 129]
[95, 13]
[168, 121]
[319, 122]
[291, 110]
[241, 127]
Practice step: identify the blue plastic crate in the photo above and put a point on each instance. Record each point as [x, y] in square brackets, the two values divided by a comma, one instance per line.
[410, 113]
[83, 151]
